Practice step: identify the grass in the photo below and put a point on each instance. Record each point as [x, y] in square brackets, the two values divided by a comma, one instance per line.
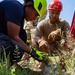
[6, 69]
[50, 69]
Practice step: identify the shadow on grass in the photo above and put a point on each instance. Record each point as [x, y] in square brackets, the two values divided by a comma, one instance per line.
[25, 71]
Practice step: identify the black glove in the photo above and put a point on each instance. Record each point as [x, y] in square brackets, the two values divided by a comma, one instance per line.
[38, 55]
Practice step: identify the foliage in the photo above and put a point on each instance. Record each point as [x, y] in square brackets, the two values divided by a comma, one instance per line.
[68, 53]
[4, 65]
[7, 69]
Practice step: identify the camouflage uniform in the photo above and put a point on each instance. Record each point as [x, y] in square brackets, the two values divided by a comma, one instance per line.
[45, 27]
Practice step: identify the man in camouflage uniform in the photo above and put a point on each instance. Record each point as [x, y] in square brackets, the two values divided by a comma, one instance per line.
[49, 31]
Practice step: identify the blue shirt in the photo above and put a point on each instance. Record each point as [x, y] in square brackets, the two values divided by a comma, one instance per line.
[13, 11]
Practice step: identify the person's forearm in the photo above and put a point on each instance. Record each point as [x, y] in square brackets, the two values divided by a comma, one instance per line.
[24, 45]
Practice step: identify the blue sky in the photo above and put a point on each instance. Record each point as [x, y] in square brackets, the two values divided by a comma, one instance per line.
[68, 9]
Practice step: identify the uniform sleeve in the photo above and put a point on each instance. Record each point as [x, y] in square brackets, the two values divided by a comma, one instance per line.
[66, 26]
[39, 29]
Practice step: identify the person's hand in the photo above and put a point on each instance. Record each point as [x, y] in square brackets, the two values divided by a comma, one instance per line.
[38, 55]
[54, 35]
[43, 46]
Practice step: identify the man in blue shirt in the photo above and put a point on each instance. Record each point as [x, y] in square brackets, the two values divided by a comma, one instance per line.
[12, 36]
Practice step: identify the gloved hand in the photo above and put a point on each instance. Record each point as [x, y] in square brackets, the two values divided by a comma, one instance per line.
[38, 55]
[43, 46]
[54, 35]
